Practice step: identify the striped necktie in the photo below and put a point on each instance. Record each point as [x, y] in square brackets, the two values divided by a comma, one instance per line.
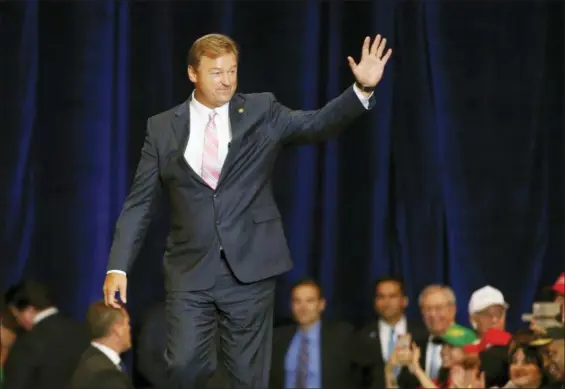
[303, 362]
[211, 164]
[391, 343]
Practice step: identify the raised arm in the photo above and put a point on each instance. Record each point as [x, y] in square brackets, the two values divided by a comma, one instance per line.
[304, 126]
[134, 220]
[290, 126]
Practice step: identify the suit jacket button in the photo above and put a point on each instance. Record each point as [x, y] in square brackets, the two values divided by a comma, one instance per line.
[217, 222]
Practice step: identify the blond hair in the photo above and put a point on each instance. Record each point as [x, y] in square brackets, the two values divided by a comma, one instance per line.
[212, 46]
[446, 290]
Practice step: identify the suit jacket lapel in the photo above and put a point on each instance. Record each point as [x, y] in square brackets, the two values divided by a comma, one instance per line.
[283, 337]
[237, 115]
[376, 333]
[101, 358]
[181, 131]
[181, 125]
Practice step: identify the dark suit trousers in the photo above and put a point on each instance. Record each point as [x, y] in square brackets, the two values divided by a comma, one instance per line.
[245, 325]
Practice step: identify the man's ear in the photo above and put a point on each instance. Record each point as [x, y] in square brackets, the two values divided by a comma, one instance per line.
[192, 76]
[116, 330]
[322, 305]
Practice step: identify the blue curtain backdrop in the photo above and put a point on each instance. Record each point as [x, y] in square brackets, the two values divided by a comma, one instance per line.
[456, 176]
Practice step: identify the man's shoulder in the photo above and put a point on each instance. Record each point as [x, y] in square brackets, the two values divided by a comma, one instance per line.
[167, 115]
[418, 331]
[94, 359]
[284, 330]
[338, 326]
[256, 97]
[259, 98]
[62, 326]
[256, 102]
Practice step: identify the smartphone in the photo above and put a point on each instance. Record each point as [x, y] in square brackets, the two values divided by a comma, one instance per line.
[404, 340]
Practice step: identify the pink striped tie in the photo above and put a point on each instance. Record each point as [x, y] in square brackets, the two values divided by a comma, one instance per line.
[211, 165]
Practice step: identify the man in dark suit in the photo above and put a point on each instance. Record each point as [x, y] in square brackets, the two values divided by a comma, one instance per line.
[313, 353]
[214, 154]
[378, 338]
[438, 307]
[46, 354]
[100, 365]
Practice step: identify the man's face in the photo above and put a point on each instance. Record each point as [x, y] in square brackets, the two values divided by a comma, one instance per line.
[490, 317]
[215, 80]
[438, 312]
[24, 317]
[390, 302]
[306, 304]
[451, 356]
[554, 360]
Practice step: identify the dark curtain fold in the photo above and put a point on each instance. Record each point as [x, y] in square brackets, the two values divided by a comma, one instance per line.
[456, 176]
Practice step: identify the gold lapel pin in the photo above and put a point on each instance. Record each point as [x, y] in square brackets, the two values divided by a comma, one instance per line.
[240, 110]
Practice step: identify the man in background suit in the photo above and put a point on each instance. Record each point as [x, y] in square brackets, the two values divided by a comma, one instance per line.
[313, 353]
[45, 355]
[438, 307]
[214, 155]
[100, 365]
[378, 339]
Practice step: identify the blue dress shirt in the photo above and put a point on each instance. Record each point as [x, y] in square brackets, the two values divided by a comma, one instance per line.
[314, 378]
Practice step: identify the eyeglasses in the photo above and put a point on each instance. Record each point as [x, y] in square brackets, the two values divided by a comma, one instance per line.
[435, 308]
[493, 313]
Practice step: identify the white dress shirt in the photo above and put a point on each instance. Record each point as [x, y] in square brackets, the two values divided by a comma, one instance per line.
[433, 358]
[199, 117]
[400, 328]
[111, 354]
[45, 314]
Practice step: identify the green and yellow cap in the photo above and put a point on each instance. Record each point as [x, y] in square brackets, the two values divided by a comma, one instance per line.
[459, 336]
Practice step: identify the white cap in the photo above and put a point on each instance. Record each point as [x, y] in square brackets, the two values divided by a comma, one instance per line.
[484, 298]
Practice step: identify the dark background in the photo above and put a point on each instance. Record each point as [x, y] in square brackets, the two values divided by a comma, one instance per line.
[456, 176]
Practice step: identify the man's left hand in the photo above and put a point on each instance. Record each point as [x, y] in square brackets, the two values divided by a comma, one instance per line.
[369, 71]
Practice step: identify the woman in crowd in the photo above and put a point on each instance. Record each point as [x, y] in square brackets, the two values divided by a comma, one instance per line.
[455, 362]
[526, 368]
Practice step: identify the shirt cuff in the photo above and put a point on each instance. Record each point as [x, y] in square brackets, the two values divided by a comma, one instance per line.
[364, 100]
[116, 271]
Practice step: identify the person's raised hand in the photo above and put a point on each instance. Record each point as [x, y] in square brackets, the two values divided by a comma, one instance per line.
[115, 282]
[369, 71]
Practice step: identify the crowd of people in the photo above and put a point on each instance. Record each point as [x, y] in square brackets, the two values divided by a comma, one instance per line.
[42, 348]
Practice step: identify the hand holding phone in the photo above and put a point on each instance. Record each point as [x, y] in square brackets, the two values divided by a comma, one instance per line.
[404, 349]
[404, 340]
